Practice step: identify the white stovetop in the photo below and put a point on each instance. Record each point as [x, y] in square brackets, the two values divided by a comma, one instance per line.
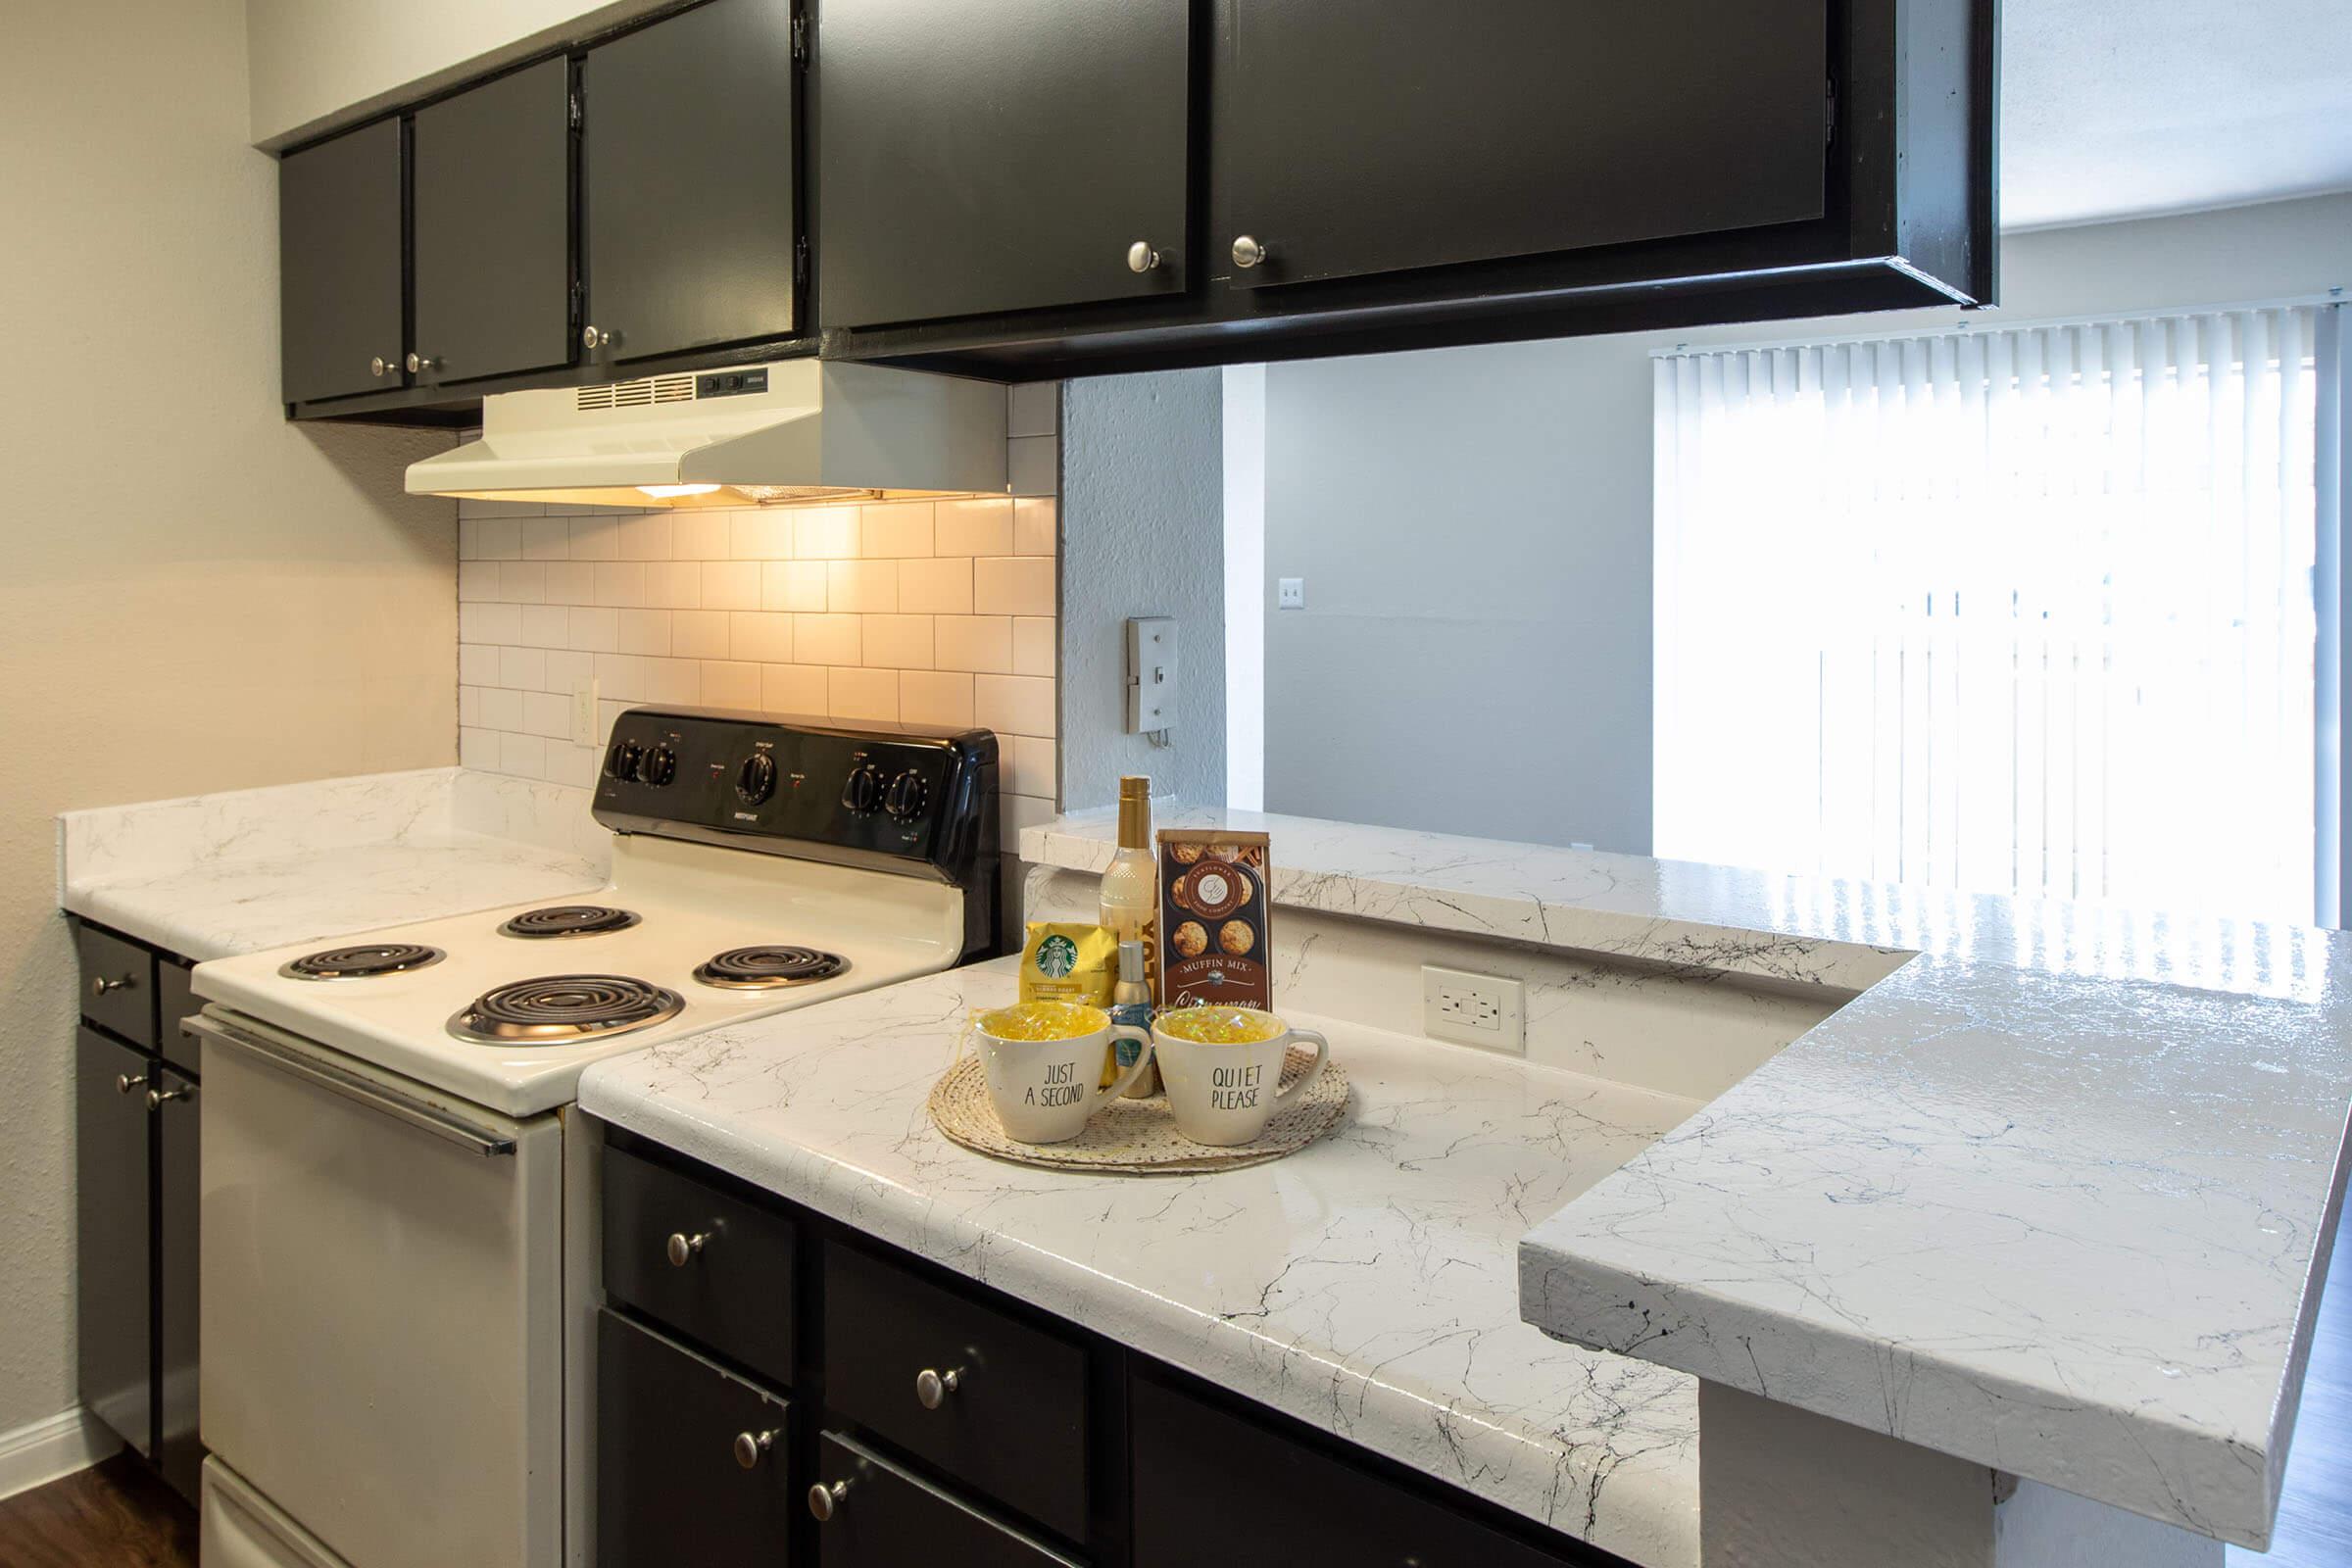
[1363, 1285]
[695, 902]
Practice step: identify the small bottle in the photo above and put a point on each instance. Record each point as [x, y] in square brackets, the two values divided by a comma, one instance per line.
[1131, 1004]
[1130, 895]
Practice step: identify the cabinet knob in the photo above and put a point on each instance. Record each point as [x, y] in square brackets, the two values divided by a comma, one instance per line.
[931, 1389]
[124, 1083]
[1247, 252]
[595, 338]
[682, 1248]
[159, 1098]
[1141, 256]
[422, 361]
[824, 1502]
[103, 985]
[378, 366]
[750, 1445]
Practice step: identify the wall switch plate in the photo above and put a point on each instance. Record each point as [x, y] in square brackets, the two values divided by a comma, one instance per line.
[583, 712]
[1151, 675]
[1474, 1009]
[1289, 592]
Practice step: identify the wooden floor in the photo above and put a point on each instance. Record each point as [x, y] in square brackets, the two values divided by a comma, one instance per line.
[117, 1513]
[120, 1515]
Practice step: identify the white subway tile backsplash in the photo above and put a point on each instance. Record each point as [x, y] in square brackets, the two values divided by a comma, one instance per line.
[646, 536]
[762, 536]
[502, 709]
[862, 587]
[673, 680]
[568, 582]
[478, 749]
[1033, 645]
[522, 669]
[935, 697]
[619, 677]
[618, 583]
[698, 634]
[730, 585]
[1027, 766]
[896, 530]
[1033, 408]
[793, 585]
[546, 713]
[595, 538]
[673, 584]
[478, 580]
[522, 582]
[825, 533]
[940, 586]
[470, 708]
[975, 642]
[828, 639]
[701, 536]
[489, 623]
[867, 694]
[566, 667]
[792, 688]
[1032, 466]
[981, 526]
[548, 625]
[760, 636]
[595, 631]
[729, 684]
[524, 756]
[898, 642]
[1013, 585]
[546, 539]
[496, 539]
[645, 631]
[1034, 526]
[1014, 705]
[477, 664]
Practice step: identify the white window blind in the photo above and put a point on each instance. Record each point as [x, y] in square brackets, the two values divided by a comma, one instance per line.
[2024, 611]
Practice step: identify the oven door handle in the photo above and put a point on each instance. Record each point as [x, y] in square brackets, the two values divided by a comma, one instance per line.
[352, 1085]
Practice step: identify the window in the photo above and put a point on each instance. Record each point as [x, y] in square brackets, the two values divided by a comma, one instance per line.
[2024, 611]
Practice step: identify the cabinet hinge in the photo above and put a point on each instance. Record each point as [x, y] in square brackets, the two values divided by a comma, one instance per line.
[800, 40]
[578, 305]
[799, 259]
[1829, 112]
[576, 110]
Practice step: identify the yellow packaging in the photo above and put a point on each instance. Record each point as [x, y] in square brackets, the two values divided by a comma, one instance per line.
[1066, 961]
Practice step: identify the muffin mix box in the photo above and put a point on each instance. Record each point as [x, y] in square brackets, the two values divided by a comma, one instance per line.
[1212, 918]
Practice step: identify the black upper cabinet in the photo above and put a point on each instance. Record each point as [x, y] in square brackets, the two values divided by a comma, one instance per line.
[1000, 157]
[686, 182]
[338, 271]
[492, 230]
[1446, 132]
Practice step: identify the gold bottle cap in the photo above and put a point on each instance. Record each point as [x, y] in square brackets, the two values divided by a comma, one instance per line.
[1135, 812]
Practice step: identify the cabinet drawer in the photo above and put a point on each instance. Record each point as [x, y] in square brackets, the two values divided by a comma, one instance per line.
[732, 1289]
[669, 1451]
[882, 1517]
[176, 1000]
[1188, 1509]
[1013, 1424]
[117, 985]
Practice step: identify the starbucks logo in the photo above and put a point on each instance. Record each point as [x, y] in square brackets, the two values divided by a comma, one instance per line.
[1056, 957]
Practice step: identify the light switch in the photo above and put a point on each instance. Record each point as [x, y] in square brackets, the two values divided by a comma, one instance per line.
[1289, 592]
[1151, 675]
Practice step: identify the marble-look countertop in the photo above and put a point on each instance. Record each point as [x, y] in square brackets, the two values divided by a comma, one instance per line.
[212, 875]
[1364, 1285]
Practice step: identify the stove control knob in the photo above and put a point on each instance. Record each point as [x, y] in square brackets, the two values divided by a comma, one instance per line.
[862, 794]
[623, 759]
[906, 795]
[756, 781]
[660, 766]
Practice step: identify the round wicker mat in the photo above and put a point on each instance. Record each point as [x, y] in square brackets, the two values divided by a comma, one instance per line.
[1137, 1136]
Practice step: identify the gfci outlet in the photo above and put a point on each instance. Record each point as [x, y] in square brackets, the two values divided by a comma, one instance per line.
[1474, 1009]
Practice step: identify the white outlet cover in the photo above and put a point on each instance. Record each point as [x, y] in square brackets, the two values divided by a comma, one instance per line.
[1289, 592]
[1150, 673]
[1487, 1010]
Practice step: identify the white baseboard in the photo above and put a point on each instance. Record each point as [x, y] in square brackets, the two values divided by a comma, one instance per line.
[36, 1454]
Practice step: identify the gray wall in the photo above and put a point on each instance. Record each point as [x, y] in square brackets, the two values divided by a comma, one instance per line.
[1141, 534]
[1474, 529]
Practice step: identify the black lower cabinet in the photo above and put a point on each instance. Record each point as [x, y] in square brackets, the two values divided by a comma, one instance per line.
[116, 1285]
[692, 1463]
[179, 1452]
[877, 1515]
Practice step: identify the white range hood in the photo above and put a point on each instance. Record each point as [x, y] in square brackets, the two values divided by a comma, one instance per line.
[795, 429]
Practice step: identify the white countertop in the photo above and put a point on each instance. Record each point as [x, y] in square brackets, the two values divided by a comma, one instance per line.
[1364, 1285]
[210, 876]
[2054, 1195]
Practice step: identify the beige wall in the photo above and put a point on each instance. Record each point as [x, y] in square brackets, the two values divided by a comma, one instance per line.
[194, 595]
[316, 65]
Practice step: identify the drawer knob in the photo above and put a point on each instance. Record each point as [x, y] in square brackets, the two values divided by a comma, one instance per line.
[378, 366]
[126, 1084]
[1249, 252]
[418, 364]
[750, 1445]
[931, 1389]
[592, 337]
[824, 1502]
[102, 985]
[159, 1098]
[682, 1248]
[1141, 257]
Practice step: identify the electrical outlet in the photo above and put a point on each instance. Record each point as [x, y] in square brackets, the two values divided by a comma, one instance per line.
[1474, 1009]
[1289, 592]
[583, 712]
[1151, 675]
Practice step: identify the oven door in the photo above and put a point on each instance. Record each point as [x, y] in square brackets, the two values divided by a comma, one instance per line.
[380, 1305]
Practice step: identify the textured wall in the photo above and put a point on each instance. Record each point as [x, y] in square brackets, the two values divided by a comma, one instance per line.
[1143, 534]
[199, 596]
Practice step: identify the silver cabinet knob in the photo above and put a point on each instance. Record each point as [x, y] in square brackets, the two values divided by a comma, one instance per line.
[826, 1501]
[378, 366]
[159, 1098]
[1141, 256]
[682, 1248]
[422, 361]
[1247, 252]
[931, 1389]
[102, 985]
[124, 1083]
[592, 338]
[750, 1445]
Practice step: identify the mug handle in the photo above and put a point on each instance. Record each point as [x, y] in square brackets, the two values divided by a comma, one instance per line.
[1118, 1085]
[1305, 1079]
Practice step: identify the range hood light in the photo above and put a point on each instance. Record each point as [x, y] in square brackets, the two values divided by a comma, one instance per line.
[671, 492]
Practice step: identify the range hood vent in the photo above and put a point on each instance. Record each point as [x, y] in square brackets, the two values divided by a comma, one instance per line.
[792, 430]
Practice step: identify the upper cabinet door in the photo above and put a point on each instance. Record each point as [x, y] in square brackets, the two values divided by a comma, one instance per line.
[686, 181]
[1352, 140]
[493, 228]
[338, 265]
[999, 157]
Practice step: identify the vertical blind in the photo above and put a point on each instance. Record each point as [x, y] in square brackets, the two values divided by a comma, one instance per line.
[2025, 611]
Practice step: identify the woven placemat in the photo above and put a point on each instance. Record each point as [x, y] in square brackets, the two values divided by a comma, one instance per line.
[1137, 1136]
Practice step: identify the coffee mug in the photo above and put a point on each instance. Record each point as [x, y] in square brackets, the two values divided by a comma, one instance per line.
[1222, 1069]
[1044, 1063]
